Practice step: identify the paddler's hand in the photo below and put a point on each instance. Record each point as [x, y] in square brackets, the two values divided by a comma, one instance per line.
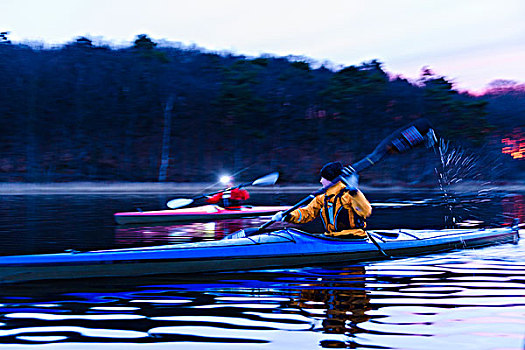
[278, 217]
[350, 179]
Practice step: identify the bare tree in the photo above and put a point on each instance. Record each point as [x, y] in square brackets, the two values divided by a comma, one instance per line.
[165, 156]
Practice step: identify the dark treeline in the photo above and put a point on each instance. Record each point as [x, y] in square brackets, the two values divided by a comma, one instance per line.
[147, 113]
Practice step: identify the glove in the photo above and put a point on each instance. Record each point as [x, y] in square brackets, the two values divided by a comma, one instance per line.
[278, 217]
[350, 179]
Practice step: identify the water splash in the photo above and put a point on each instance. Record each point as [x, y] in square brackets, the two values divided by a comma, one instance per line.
[466, 182]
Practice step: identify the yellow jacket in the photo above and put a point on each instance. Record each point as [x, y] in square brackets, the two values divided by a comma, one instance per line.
[341, 212]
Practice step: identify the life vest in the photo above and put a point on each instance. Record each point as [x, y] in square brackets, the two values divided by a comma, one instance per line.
[230, 198]
[338, 218]
[343, 213]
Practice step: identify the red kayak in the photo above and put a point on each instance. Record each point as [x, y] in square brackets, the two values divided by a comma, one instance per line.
[205, 212]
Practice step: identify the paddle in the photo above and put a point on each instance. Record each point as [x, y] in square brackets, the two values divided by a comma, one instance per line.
[400, 141]
[266, 180]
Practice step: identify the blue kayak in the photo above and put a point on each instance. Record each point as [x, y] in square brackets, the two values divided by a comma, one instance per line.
[274, 249]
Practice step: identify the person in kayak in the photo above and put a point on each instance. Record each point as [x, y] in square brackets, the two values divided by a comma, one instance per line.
[229, 199]
[343, 209]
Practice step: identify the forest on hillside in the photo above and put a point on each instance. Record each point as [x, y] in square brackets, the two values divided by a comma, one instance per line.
[147, 112]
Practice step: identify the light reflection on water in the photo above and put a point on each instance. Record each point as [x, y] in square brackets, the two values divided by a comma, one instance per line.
[469, 298]
[182, 232]
[393, 304]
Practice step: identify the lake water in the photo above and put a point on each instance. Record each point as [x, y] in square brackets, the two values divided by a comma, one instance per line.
[467, 299]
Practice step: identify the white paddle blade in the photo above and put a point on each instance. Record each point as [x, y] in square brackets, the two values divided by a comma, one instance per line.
[179, 202]
[267, 180]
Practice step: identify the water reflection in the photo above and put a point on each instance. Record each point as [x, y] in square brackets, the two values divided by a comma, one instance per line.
[413, 303]
[220, 308]
[513, 206]
[182, 232]
[340, 299]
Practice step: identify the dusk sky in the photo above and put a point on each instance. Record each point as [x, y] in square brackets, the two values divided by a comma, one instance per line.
[471, 42]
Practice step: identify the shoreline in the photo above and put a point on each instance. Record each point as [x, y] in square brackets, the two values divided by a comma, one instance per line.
[184, 188]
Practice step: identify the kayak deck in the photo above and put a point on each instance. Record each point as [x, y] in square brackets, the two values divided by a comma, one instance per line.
[205, 212]
[276, 249]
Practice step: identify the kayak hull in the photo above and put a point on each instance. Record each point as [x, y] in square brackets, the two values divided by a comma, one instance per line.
[202, 213]
[277, 249]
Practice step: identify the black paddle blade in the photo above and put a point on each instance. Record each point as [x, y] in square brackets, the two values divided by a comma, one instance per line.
[400, 141]
[410, 136]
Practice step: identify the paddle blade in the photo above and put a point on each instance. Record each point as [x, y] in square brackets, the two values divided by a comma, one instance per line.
[410, 136]
[179, 202]
[236, 235]
[245, 232]
[400, 141]
[267, 180]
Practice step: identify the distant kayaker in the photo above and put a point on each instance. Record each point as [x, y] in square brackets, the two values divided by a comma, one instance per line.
[343, 209]
[231, 199]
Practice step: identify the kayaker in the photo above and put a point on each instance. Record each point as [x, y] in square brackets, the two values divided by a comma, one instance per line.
[230, 199]
[343, 209]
